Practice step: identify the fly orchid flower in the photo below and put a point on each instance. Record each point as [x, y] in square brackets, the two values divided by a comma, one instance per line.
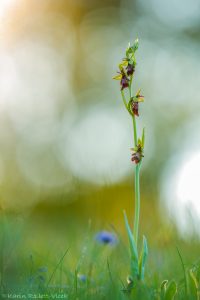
[134, 103]
[124, 80]
[137, 154]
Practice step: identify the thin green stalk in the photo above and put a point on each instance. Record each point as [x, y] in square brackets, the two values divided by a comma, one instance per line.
[56, 267]
[124, 99]
[137, 178]
[133, 117]
[184, 271]
[130, 86]
[137, 203]
[134, 131]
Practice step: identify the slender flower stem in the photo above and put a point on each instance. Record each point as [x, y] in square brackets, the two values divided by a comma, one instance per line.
[133, 117]
[137, 203]
[124, 100]
[130, 86]
[137, 189]
[134, 131]
[137, 178]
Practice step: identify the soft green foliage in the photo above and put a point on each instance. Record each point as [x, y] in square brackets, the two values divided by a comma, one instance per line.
[171, 290]
[193, 285]
[94, 271]
[163, 288]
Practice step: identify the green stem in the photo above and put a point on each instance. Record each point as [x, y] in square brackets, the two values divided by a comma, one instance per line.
[124, 100]
[134, 131]
[137, 178]
[125, 103]
[130, 86]
[137, 203]
[137, 168]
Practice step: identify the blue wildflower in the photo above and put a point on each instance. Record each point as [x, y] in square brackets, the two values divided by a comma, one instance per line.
[105, 237]
[82, 277]
[43, 269]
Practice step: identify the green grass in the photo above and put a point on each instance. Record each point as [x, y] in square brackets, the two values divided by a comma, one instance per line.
[44, 261]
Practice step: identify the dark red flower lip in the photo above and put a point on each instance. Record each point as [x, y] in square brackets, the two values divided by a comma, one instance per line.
[137, 155]
[124, 82]
[135, 108]
[130, 69]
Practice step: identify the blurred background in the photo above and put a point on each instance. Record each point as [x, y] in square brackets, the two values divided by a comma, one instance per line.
[65, 136]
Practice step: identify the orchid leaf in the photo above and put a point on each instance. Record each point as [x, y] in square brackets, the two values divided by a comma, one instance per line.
[133, 248]
[143, 258]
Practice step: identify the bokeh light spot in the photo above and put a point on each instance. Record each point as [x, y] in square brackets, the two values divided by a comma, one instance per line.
[96, 147]
[188, 187]
[4, 5]
[181, 193]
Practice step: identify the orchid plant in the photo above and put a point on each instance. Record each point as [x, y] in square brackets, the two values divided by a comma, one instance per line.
[132, 102]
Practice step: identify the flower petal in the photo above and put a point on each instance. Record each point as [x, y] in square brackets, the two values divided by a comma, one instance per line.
[117, 77]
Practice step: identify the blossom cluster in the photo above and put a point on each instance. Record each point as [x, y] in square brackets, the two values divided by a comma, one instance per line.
[127, 67]
[125, 75]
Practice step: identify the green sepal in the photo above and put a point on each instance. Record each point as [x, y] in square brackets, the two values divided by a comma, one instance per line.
[132, 61]
[135, 45]
[133, 249]
[171, 290]
[129, 51]
[124, 63]
[134, 149]
[143, 258]
[139, 142]
[117, 77]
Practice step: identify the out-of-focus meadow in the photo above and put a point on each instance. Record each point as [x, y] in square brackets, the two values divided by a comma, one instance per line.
[65, 136]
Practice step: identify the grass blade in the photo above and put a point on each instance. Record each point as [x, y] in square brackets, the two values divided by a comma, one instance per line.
[184, 271]
[193, 284]
[56, 267]
[171, 290]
